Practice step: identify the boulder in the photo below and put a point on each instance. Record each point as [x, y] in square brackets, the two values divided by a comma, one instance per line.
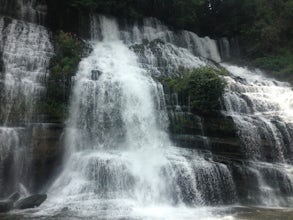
[6, 205]
[31, 201]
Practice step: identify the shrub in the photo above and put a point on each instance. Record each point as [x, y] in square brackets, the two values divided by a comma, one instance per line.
[63, 66]
[67, 57]
[202, 87]
[279, 65]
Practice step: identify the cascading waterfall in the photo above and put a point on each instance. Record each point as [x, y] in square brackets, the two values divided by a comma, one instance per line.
[32, 11]
[115, 112]
[10, 143]
[26, 10]
[166, 53]
[259, 106]
[262, 110]
[263, 106]
[120, 162]
[25, 51]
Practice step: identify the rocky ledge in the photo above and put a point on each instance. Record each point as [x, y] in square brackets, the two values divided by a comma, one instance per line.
[14, 202]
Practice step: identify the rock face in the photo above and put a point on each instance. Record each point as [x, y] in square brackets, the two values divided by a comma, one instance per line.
[14, 197]
[43, 158]
[29, 141]
[216, 136]
[31, 11]
[6, 205]
[213, 132]
[8, 8]
[47, 153]
[25, 203]
[31, 201]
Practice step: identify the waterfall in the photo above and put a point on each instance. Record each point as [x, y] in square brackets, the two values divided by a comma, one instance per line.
[120, 162]
[26, 10]
[262, 111]
[32, 11]
[25, 51]
[166, 53]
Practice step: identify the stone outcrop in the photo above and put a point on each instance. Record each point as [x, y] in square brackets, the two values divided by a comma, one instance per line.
[31, 201]
[6, 205]
[14, 197]
[13, 202]
[47, 153]
[213, 132]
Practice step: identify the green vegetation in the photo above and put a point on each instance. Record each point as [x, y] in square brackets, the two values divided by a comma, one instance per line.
[124, 8]
[263, 27]
[280, 65]
[178, 13]
[68, 51]
[63, 67]
[202, 88]
[185, 10]
[263, 20]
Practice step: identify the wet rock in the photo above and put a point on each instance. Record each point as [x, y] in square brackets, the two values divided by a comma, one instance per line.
[228, 147]
[14, 197]
[31, 201]
[219, 126]
[6, 205]
[190, 141]
[96, 74]
[47, 153]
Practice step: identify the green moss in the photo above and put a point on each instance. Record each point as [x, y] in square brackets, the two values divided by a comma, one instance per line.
[201, 88]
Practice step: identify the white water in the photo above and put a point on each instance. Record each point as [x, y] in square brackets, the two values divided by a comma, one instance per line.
[25, 51]
[163, 52]
[26, 54]
[258, 104]
[116, 112]
[120, 162]
[8, 146]
[262, 109]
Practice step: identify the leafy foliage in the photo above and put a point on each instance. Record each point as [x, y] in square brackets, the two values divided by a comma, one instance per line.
[124, 8]
[280, 65]
[264, 28]
[178, 13]
[63, 67]
[203, 87]
[185, 11]
[261, 26]
[68, 55]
